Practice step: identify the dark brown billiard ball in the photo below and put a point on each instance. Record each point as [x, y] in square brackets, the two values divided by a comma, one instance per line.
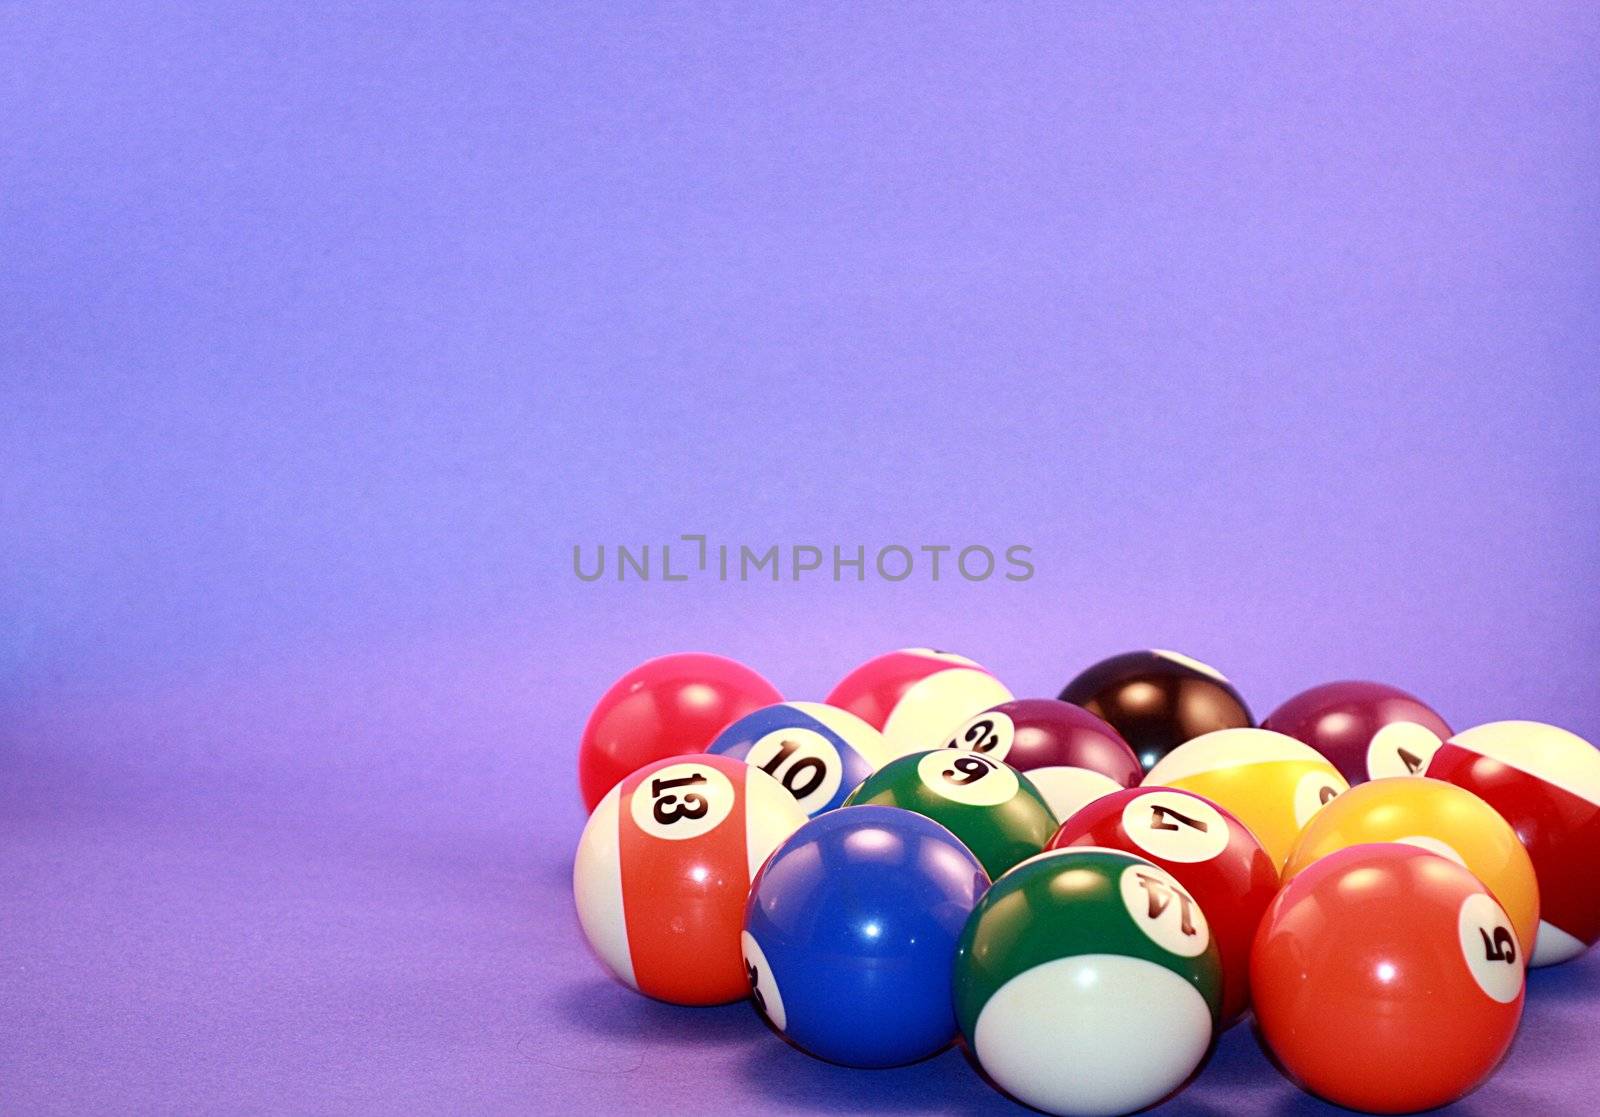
[1157, 700]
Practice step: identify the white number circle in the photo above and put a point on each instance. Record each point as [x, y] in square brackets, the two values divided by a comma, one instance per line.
[682, 801]
[990, 733]
[968, 777]
[763, 985]
[1315, 790]
[804, 761]
[1175, 827]
[1161, 908]
[1401, 749]
[1490, 947]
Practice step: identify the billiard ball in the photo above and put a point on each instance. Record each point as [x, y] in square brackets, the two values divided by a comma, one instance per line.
[664, 707]
[1545, 782]
[1369, 730]
[993, 809]
[818, 752]
[1051, 742]
[1271, 783]
[1386, 979]
[851, 930]
[1088, 982]
[915, 695]
[1436, 816]
[1072, 789]
[664, 868]
[1208, 851]
[1158, 700]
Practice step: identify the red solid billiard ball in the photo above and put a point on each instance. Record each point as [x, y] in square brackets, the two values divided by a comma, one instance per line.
[1545, 782]
[916, 695]
[1386, 978]
[1157, 700]
[1211, 854]
[1055, 743]
[664, 707]
[1369, 730]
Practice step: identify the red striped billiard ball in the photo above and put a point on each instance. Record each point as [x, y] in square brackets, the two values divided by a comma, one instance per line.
[1545, 782]
[664, 868]
[914, 696]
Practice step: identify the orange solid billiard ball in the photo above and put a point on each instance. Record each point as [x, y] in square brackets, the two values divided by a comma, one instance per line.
[1386, 978]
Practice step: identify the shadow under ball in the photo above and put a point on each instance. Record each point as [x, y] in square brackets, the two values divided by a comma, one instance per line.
[1157, 700]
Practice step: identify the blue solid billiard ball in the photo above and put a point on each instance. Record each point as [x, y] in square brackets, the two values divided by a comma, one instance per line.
[850, 935]
[817, 752]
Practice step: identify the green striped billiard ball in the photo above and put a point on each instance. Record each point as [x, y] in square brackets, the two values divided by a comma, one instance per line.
[996, 812]
[1087, 982]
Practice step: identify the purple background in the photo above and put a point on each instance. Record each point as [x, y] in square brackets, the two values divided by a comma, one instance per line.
[325, 334]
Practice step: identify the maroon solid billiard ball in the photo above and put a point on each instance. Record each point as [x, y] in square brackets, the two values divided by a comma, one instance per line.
[1210, 852]
[1068, 753]
[1157, 700]
[1369, 730]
